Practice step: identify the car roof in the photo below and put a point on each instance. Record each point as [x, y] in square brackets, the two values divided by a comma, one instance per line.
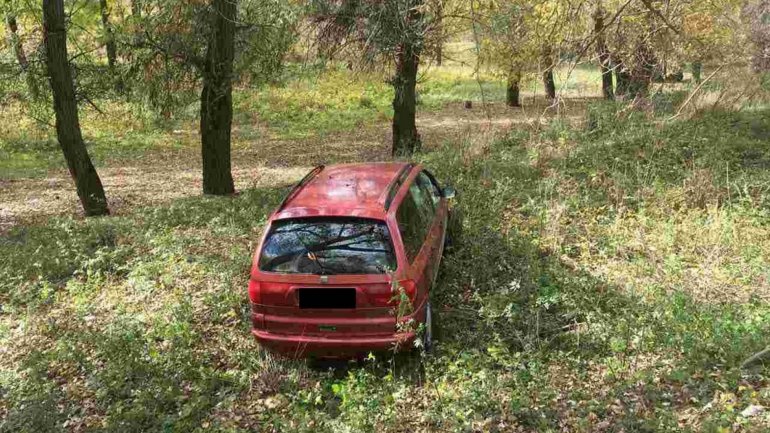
[343, 190]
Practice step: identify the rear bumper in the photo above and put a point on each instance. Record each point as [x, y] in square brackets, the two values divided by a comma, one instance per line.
[299, 346]
[366, 336]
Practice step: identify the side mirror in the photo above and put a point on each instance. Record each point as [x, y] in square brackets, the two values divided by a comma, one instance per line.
[449, 192]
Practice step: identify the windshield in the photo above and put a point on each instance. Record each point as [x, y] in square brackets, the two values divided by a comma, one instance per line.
[328, 246]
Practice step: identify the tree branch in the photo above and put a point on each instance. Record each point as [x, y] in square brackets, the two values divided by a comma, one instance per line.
[753, 359]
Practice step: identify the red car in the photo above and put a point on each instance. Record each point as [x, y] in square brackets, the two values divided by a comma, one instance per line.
[343, 251]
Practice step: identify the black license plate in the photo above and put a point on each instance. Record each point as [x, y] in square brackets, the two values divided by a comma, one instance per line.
[327, 298]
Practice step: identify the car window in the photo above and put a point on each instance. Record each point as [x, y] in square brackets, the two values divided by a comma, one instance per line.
[411, 225]
[430, 183]
[423, 201]
[328, 246]
[427, 184]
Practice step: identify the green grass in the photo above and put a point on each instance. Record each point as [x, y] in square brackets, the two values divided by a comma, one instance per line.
[332, 101]
[612, 275]
[126, 133]
[305, 103]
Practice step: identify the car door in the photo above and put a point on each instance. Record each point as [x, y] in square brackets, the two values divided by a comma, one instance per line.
[415, 217]
[435, 237]
[427, 183]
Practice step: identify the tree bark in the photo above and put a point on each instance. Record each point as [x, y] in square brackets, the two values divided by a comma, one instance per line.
[604, 54]
[642, 71]
[15, 41]
[548, 82]
[512, 92]
[136, 17]
[89, 186]
[440, 32]
[110, 46]
[406, 140]
[697, 68]
[21, 56]
[217, 100]
[622, 79]
[136, 9]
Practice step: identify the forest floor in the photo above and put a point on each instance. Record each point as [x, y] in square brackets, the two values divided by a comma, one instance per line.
[167, 173]
[613, 274]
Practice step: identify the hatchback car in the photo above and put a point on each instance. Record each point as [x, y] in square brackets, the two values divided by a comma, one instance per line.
[341, 253]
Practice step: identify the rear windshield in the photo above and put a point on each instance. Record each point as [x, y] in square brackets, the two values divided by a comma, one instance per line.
[328, 246]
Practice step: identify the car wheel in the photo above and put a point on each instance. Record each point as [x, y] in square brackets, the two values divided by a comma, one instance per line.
[427, 335]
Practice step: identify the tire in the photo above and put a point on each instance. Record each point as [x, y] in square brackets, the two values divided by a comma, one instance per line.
[427, 335]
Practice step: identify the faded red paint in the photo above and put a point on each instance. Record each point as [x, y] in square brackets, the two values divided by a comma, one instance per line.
[357, 190]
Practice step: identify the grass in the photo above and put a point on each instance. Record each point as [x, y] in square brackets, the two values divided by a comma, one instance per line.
[612, 277]
[125, 133]
[307, 103]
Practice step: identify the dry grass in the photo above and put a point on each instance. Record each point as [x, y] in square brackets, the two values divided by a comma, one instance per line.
[164, 174]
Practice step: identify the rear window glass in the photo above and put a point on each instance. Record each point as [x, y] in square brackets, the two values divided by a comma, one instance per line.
[328, 246]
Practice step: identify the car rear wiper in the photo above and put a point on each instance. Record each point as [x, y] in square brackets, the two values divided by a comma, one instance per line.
[311, 255]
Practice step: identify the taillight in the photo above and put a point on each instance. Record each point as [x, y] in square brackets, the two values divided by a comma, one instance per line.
[387, 295]
[410, 288]
[254, 292]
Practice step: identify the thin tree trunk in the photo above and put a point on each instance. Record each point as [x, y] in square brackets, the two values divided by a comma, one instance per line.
[109, 43]
[548, 82]
[111, 47]
[643, 70]
[89, 186]
[512, 91]
[604, 54]
[21, 56]
[697, 68]
[217, 100]
[622, 79]
[15, 41]
[136, 9]
[406, 140]
[136, 17]
[440, 32]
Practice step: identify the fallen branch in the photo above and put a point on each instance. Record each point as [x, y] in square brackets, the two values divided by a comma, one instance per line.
[694, 92]
[753, 359]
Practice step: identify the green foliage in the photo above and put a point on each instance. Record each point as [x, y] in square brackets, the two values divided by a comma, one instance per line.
[304, 102]
[592, 285]
[438, 88]
[169, 44]
[335, 100]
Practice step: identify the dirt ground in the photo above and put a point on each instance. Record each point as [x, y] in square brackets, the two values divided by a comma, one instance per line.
[173, 173]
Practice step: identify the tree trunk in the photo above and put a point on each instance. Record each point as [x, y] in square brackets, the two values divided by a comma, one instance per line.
[89, 186]
[217, 100]
[440, 32]
[21, 56]
[136, 9]
[15, 41]
[406, 140]
[697, 68]
[136, 18]
[512, 93]
[643, 70]
[623, 80]
[604, 54]
[109, 44]
[548, 81]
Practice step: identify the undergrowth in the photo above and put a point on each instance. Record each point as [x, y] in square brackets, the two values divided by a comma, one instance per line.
[612, 277]
[305, 103]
